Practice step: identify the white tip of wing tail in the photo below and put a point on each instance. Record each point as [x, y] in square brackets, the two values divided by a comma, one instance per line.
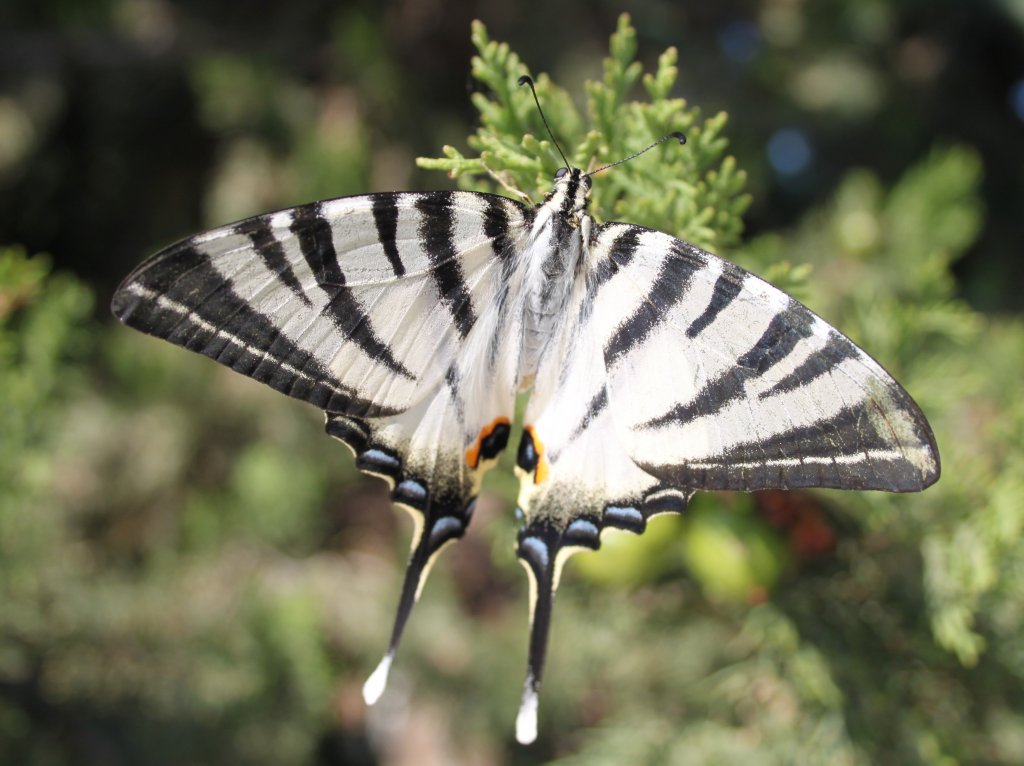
[378, 681]
[526, 721]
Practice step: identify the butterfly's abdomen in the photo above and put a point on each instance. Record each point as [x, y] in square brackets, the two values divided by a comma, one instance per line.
[551, 259]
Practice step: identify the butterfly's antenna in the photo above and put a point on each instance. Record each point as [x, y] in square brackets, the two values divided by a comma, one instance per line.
[674, 134]
[527, 80]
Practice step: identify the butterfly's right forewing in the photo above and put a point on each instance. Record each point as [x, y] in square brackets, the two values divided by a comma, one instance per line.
[359, 305]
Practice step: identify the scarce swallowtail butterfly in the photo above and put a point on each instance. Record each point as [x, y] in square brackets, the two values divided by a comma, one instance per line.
[655, 369]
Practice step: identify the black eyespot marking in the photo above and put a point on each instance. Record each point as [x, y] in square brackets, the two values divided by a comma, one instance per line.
[560, 172]
[495, 441]
[527, 456]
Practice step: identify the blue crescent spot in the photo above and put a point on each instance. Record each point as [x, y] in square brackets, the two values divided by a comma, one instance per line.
[584, 526]
[539, 548]
[624, 515]
[444, 525]
[381, 458]
[412, 489]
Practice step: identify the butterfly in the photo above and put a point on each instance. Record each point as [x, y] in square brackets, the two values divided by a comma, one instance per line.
[655, 369]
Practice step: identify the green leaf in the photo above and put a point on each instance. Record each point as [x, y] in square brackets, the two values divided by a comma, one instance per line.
[695, 191]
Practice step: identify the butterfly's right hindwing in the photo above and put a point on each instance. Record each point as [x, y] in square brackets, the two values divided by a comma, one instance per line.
[358, 305]
[384, 311]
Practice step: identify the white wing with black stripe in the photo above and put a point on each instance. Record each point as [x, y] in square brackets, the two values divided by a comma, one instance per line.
[576, 478]
[359, 305]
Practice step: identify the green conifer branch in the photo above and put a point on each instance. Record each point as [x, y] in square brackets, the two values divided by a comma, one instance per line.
[692, 191]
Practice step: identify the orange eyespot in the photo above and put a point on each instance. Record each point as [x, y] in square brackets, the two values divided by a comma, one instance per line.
[532, 455]
[542, 471]
[491, 440]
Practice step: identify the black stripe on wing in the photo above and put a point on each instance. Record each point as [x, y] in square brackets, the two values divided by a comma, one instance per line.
[437, 232]
[385, 216]
[853, 458]
[497, 227]
[500, 227]
[620, 253]
[595, 407]
[669, 288]
[784, 332]
[728, 285]
[272, 253]
[316, 242]
[179, 296]
[836, 350]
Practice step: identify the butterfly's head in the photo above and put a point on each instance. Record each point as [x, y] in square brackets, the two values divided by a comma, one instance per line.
[572, 185]
[572, 191]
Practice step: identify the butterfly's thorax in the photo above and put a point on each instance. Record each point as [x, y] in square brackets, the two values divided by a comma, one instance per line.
[550, 262]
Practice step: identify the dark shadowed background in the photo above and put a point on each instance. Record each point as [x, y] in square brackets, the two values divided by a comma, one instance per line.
[191, 572]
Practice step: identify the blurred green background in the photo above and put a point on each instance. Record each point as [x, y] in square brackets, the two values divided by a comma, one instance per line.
[191, 572]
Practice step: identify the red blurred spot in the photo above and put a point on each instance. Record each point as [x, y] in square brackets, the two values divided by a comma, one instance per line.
[811, 537]
[757, 595]
[809, 533]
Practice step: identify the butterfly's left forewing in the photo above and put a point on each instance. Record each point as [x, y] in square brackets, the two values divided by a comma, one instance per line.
[718, 380]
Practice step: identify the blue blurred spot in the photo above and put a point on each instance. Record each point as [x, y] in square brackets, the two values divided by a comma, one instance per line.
[789, 151]
[1017, 98]
[740, 41]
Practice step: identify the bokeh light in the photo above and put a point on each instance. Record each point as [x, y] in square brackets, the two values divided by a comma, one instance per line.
[790, 151]
[740, 41]
[1017, 98]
